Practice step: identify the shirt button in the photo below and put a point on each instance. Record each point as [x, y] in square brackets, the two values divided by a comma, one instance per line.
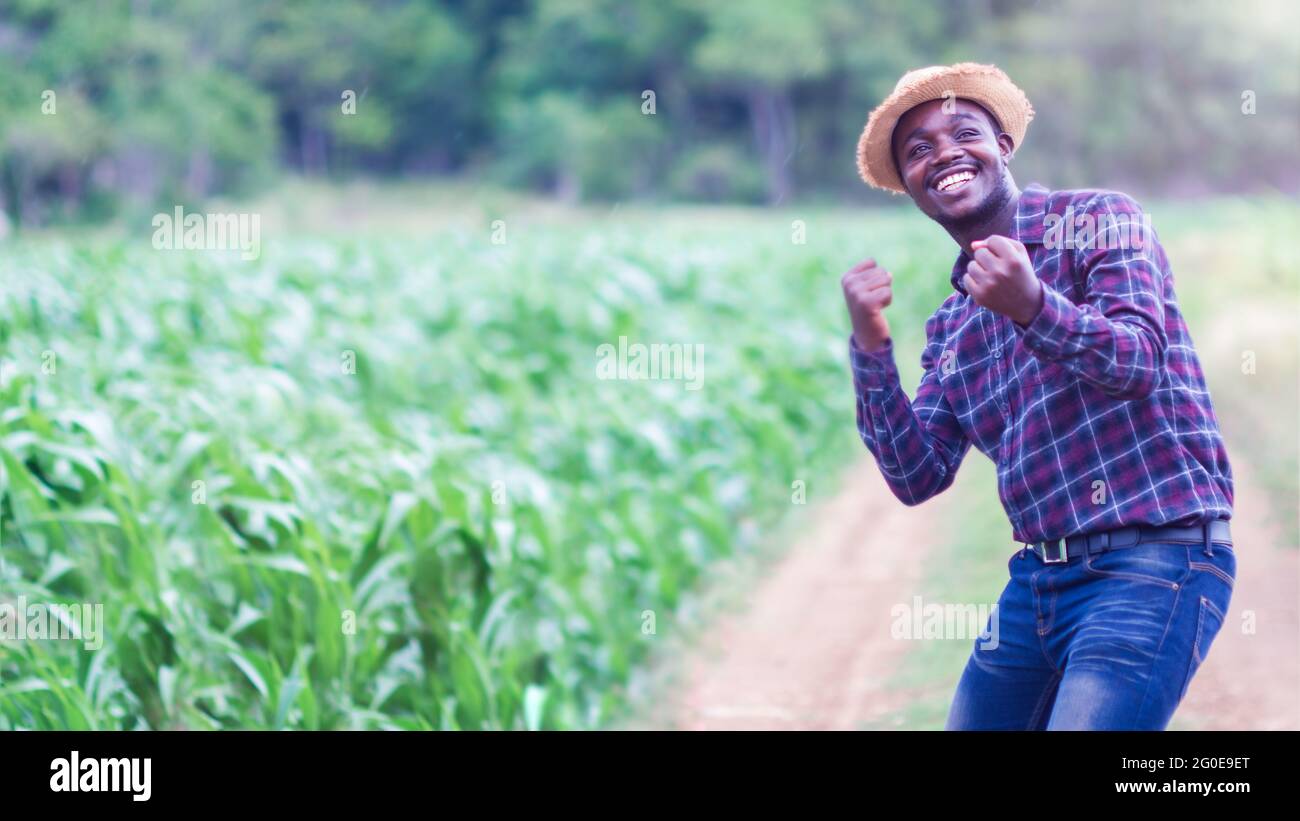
[997, 353]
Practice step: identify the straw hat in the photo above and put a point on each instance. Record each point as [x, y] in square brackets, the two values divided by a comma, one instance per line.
[984, 84]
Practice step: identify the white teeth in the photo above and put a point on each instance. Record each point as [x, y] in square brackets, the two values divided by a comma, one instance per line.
[953, 180]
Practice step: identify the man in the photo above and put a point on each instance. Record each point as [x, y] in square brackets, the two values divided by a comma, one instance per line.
[1062, 355]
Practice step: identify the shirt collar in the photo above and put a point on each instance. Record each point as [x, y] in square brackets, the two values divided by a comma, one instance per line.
[1027, 228]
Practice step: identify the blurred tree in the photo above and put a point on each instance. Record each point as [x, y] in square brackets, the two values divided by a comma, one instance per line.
[1151, 95]
[760, 51]
[129, 103]
[409, 64]
[570, 82]
[102, 104]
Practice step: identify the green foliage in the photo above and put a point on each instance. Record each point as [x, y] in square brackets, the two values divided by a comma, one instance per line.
[789, 38]
[160, 103]
[347, 564]
[555, 142]
[328, 495]
[716, 173]
[103, 105]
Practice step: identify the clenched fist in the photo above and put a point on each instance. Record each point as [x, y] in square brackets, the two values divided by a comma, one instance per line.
[866, 292]
[1000, 277]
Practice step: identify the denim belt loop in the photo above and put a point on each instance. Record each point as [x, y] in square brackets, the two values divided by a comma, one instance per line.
[1209, 546]
[1103, 542]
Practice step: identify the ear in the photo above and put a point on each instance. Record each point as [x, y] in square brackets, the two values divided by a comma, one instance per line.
[1006, 146]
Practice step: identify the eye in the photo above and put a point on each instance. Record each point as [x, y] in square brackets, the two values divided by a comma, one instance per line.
[967, 132]
[916, 150]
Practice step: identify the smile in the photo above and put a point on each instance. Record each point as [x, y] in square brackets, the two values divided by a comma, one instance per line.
[953, 181]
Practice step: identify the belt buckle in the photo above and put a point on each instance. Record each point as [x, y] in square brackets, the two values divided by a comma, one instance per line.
[1062, 554]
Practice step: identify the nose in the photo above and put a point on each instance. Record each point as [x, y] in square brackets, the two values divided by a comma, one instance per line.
[947, 152]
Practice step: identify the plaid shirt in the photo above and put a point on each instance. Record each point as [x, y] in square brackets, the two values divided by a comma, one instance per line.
[1096, 414]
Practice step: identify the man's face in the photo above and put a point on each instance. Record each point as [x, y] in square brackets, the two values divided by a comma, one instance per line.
[935, 150]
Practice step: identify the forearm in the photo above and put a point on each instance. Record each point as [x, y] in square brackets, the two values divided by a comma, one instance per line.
[1122, 354]
[915, 464]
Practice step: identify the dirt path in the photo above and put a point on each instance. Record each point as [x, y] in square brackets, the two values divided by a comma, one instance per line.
[1251, 681]
[811, 647]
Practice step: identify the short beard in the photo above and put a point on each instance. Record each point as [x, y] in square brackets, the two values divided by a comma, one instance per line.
[985, 213]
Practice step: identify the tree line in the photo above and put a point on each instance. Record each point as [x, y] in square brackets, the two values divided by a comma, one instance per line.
[131, 103]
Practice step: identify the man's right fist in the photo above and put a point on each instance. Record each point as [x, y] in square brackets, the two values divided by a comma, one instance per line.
[866, 292]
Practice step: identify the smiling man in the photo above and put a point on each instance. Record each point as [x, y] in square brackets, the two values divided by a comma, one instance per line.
[1069, 364]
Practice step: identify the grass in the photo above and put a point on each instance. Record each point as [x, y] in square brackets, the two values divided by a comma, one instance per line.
[372, 479]
[378, 483]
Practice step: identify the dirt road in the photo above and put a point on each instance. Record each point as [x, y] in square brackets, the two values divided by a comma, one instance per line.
[809, 646]
[1251, 678]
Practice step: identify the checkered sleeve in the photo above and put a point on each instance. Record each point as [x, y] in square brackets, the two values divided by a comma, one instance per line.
[918, 444]
[1116, 339]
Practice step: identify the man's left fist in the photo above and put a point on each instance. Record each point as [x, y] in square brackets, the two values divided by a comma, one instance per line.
[1000, 277]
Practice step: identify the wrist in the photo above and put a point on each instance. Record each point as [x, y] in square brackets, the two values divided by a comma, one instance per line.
[869, 344]
[1037, 302]
[870, 333]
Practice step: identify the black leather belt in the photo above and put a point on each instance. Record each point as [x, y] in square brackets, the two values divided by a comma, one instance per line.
[1060, 551]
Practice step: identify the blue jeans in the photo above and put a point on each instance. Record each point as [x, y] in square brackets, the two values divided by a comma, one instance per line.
[1107, 641]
